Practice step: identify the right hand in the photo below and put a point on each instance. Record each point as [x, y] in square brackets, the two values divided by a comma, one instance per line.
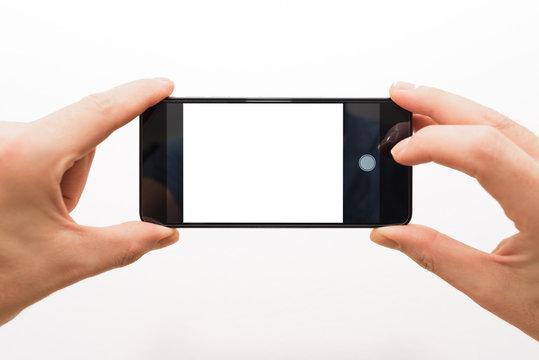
[504, 157]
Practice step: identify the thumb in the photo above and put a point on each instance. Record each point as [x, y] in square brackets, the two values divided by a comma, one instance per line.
[120, 245]
[467, 269]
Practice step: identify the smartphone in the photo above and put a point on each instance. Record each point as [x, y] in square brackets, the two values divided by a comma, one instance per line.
[274, 162]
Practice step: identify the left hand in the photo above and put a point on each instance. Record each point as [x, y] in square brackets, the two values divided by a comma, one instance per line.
[43, 169]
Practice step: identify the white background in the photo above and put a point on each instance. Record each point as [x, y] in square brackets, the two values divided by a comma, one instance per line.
[269, 294]
[262, 163]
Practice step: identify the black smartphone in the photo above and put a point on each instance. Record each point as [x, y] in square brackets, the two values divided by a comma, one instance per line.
[274, 162]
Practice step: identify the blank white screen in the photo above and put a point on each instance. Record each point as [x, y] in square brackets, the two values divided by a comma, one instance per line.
[260, 163]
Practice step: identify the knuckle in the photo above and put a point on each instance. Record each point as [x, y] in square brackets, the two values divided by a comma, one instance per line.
[487, 143]
[423, 251]
[100, 102]
[426, 262]
[129, 256]
[496, 119]
[7, 151]
[12, 147]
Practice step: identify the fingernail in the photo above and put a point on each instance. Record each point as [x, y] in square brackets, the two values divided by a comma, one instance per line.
[401, 145]
[165, 234]
[166, 231]
[164, 79]
[383, 240]
[173, 237]
[403, 85]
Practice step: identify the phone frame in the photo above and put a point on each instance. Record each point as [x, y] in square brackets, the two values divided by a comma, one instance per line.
[267, 225]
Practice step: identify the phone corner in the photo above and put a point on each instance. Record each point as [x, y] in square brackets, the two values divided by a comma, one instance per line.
[408, 219]
[141, 216]
[152, 220]
[410, 211]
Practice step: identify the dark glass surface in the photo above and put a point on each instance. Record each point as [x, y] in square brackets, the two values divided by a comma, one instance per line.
[371, 126]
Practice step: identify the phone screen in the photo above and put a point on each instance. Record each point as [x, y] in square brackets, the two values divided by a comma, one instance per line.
[263, 163]
[270, 162]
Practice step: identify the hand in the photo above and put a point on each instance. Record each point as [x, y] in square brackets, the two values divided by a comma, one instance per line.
[43, 169]
[504, 158]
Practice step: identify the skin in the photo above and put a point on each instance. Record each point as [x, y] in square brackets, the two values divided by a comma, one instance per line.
[45, 165]
[504, 158]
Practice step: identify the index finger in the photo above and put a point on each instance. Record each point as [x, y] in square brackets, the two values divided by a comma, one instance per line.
[449, 109]
[501, 167]
[80, 127]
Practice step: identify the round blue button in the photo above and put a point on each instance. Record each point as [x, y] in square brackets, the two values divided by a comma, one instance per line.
[367, 162]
